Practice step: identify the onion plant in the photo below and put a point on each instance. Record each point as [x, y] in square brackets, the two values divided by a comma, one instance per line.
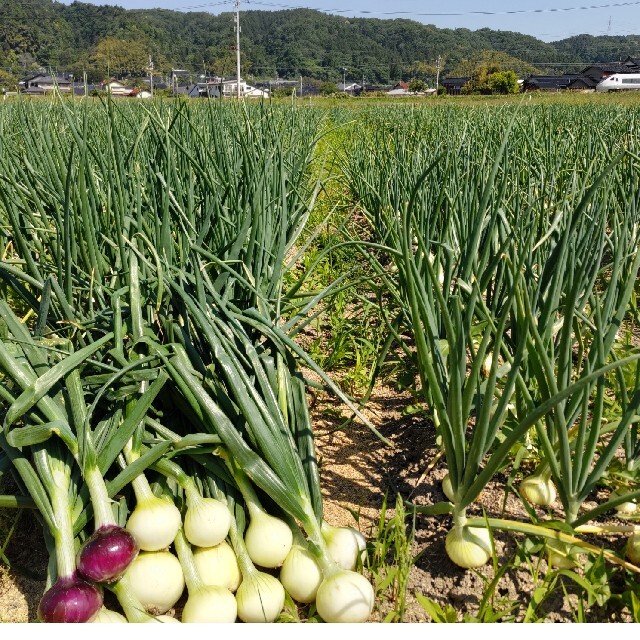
[581, 301]
[160, 265]
[462, 235]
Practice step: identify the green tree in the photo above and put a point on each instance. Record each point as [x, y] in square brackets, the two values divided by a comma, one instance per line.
[417, 86]
[327, 88]
[283, 92]
[487, 71]
[503, 82]
[121, 57]
[488, 61]
[8, 82]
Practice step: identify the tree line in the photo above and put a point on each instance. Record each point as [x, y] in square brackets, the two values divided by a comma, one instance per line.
[109, 41]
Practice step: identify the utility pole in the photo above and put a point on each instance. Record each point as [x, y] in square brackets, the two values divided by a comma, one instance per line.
[344, 79]
[151, 75]
[438, 64]
[237, 21]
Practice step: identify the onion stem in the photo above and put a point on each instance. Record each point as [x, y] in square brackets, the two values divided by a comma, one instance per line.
[17, 502]
[248, 493]
[132, 607]
[551, 534]
[247, 568]
[63, 532]
[141, 486]
[608, 528]
[191, 576]
[100, 501]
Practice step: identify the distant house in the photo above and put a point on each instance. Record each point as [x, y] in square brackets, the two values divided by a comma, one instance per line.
[583, 83]
[202, 90]
[549, 83]
[221, 88]
[603, 70]
[117, 89]
[255, 92]
[230, 90]
[351, 88]
[210, 89]
[632, 63]
[186, 90]
[453, 86]
[399, 89]
[43, 84]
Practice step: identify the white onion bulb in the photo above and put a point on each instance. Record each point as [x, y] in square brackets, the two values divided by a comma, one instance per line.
[206, 522]
[156, 579]
[260, 598]
[447, 487]
[268, 539]
[218, 566]
[108, 616]
[536, 490]
[345, 596]
[344, 544]
[300, 574]
[628, 507]
[154, 523]
[468, 547]
[165, 619]
[632, 549]
[210, 604]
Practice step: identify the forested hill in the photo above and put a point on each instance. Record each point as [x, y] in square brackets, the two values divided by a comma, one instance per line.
[77, 38]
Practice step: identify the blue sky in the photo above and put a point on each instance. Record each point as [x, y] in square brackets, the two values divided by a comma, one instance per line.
[544, 19]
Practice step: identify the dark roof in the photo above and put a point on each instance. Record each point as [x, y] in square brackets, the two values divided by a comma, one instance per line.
[608, 67]
[551, 82]
[583, 81]
[632, 61]
[48, 79]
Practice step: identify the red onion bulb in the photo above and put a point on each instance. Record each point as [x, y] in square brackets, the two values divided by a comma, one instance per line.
[105, 556]
[70, 599]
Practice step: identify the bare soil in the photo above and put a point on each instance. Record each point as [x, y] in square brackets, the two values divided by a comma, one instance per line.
[357, 472]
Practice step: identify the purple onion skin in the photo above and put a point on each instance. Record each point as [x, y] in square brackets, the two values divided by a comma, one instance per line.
[70, 599]
[105, 556]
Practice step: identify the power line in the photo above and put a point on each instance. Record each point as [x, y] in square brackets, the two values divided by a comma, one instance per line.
[427, 14]
[202, 6]
[453, 14]
[422, 14]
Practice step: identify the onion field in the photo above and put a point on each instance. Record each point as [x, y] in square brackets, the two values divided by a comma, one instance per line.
[179, 283]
